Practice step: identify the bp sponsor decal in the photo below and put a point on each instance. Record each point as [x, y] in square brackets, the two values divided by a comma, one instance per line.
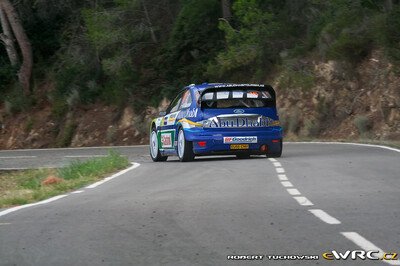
[167, 139]
[234, 140]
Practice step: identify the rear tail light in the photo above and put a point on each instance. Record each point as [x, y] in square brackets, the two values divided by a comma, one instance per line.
[264, 148]
[276, 140]
[202, 143]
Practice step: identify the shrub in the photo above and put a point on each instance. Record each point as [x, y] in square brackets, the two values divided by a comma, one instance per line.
[312, 128]
[363, 124]
[294, 122]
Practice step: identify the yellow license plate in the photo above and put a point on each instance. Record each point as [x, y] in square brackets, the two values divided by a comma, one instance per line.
[239, 146]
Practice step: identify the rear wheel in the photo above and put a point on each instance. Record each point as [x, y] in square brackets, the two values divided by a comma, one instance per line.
[154, 150]
[276, 154]
[185, 148]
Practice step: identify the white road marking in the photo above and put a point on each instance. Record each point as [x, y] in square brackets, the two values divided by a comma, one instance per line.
[367, 245]
[282, 177]
[280, 170]
[79, 148]
[14, 209]
[277, 164]
[347, 143]
[5, 223]
[324, 216]
[135, 165]
[77, 192]
[286, 184]
[303, 201]
[293, 191]
[272, 160]
[18, 157]
[84, 156]
[14, 168]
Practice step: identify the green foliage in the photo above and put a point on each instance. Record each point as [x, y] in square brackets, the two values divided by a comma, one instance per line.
[136, 52]
[363, 124]
[193, 42]
[21, 187]
[296, 80]
[250, 46]
[312, 128]
[64, 140]
[94, 167]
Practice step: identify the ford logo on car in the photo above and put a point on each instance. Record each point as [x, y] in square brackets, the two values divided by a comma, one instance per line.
[238, 111]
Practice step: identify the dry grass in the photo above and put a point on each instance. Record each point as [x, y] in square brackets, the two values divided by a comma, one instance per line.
[22, 187]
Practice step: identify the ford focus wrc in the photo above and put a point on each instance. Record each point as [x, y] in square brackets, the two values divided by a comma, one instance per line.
[218, 118]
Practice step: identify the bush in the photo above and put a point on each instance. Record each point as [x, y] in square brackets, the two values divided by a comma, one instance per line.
[312, 128]
[294, 122]
[363, 124]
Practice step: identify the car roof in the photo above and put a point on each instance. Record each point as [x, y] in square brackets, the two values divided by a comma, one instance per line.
[201, 87]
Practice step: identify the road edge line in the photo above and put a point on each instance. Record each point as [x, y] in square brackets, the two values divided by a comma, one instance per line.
[52, 199]
[344, 143]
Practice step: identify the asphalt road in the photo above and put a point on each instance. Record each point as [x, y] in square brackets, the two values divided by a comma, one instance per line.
[315, 199]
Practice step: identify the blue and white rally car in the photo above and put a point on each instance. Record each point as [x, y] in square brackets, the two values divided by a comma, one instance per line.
[216, 118]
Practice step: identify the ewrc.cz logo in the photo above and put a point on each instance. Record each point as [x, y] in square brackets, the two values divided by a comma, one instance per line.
[272, 257]
[359, 254]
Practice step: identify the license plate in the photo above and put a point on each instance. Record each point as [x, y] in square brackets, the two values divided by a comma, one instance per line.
[239, 146]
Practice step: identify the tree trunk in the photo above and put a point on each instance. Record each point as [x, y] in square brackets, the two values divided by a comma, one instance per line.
[153, 36]
[226, 9]
[7, 38]
[25, 72]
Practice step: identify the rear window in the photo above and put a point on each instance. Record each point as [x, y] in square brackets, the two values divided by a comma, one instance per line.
[238, 98]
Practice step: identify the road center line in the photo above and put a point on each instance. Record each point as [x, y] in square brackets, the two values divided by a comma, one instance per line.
[18, 157]
[367, 245]
[282, 177]
[303, 201]
[280, 170]
[324, 216]
[286, 184]
[293, 191]
[84, 156]
[272, 159]
[277, 164]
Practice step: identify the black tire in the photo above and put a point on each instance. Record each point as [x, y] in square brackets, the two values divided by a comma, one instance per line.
[243, 156]
[276, 154]
[155, 153]
[185, 153]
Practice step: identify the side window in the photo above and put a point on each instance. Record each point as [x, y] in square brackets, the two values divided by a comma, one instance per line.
[173, 107]
[186, 100]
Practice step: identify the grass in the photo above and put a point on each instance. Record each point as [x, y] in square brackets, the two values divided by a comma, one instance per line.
[22, 187]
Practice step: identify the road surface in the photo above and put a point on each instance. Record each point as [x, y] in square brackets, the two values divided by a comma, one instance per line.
[315, 199]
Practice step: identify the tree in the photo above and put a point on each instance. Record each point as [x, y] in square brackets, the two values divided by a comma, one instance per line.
[226, 9]
[7, 38]
[11, 18]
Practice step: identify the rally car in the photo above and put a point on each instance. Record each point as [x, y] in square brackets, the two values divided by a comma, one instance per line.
[218, 118]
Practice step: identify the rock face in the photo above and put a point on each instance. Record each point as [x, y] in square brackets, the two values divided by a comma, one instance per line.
[92, 125]
[344, 102]
[330, 100]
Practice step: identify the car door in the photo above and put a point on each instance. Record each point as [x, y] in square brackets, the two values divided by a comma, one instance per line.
[168, 129]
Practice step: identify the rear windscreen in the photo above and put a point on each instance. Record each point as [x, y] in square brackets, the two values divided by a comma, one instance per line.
[237, 98]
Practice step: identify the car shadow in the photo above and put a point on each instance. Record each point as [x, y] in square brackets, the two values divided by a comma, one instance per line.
[215, 158]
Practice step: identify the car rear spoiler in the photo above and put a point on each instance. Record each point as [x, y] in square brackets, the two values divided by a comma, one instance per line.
[232, 87]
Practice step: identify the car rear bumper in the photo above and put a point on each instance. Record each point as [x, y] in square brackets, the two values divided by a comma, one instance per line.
[209, 142]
